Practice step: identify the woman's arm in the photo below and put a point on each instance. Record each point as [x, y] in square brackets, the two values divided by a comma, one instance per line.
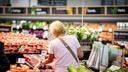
[49, 59]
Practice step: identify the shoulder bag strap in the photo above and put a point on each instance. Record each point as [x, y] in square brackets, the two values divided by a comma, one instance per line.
[69, 49]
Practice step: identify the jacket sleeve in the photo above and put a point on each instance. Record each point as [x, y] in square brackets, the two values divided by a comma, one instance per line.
[4, 62]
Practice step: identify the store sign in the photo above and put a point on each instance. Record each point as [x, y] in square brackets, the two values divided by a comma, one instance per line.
[5, 28]
[118, 10]
[95, 11]
[121, 35]
[17, 10]
[122, 10]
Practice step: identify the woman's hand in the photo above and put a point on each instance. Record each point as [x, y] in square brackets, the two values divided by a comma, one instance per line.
[37, 65]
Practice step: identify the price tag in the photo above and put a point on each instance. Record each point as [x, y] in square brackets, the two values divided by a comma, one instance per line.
[121, 35]
[21, 60]
[4, 28]
[95, 10]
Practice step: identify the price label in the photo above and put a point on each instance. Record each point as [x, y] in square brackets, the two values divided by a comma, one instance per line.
[21, 60]
[117, 10]
[5, 28]
[121, 35]
[94, 10]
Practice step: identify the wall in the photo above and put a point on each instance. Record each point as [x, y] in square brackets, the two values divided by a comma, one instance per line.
[20, 3]
[3, 2]
[84, 2]
[23, 3]
[34, 3]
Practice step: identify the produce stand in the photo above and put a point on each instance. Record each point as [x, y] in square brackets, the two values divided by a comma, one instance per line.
[24, 30]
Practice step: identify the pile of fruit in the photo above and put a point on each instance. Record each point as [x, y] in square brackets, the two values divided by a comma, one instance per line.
[16, 41]
[22, 68]
[106, 29]
[106, 36]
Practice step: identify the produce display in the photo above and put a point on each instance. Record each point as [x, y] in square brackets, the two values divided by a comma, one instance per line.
[82, 33]
[36, 28]
[106, 36]
[109, 26]
[105, 29]
[90, 31]
[22, 68]
[79, 69]
[118, 70]
[23, 43]
[36, 24]
[6, 23]
[105, 26]
[29, 43]
[93, 25]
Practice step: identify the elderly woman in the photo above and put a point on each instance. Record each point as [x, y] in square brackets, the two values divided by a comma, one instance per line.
[57, 50]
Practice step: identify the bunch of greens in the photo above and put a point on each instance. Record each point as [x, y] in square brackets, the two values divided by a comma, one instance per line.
[82, 33]
[26, 25]
[6, 22]
[118, 70]
[37, 24]
[79, 69]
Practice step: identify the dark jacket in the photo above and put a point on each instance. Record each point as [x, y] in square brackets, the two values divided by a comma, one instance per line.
[4, 62]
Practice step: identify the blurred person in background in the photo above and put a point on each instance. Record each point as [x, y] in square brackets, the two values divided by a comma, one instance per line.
[58, 53]
[4, 62]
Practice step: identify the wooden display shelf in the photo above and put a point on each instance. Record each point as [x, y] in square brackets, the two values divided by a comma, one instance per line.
[123, 30]
[5, 25]
[75, 10]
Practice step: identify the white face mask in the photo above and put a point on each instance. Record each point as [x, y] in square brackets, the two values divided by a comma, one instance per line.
[51, 32]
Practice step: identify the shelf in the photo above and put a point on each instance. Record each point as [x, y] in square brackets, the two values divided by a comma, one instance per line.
[123, 30]
[66, 18]
[5, 25]
[66, 13]
[74, 10]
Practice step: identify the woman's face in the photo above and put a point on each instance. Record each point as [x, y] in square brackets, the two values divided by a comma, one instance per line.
[52, 32]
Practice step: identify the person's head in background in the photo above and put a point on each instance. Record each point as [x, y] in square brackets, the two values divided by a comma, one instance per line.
[57, 28]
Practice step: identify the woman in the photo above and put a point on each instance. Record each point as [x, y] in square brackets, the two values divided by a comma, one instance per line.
[58, 52]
